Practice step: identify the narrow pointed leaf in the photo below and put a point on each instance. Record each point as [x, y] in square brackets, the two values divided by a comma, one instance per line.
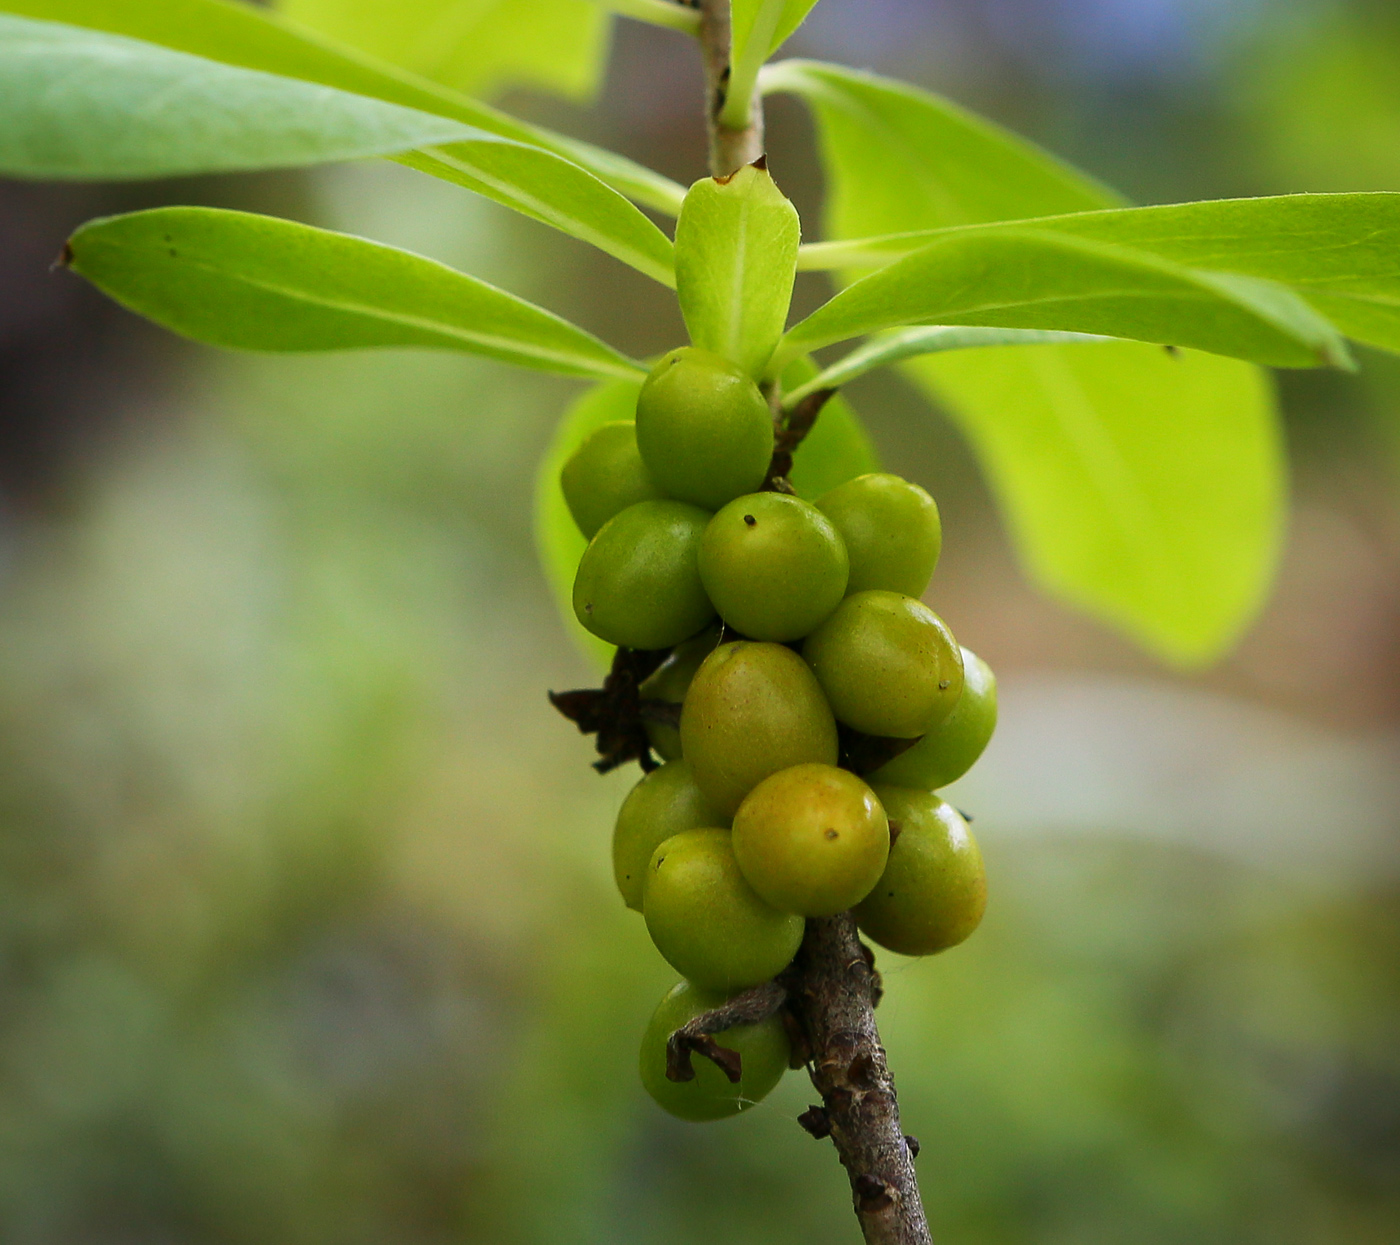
[1024, 278]
[899, 158]
[554, 190]
[736, 256]
[757, 28]
[258, 283]
[83, 104]
[665, 13]
[1144, 487]
[904, 344]
[251, 37]
[1341, 251]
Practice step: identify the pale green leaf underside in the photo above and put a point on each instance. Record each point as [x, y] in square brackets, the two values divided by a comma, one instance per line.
[1143, 487]
[1020, 277]
[554, 190]
[895, 347]
[736, 255]
[83, 104]
[243, 35]
[253, 282]
[477, 46]
[836, 450]
[1341, 251]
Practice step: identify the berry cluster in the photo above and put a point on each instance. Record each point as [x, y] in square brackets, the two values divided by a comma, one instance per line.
[794, 631]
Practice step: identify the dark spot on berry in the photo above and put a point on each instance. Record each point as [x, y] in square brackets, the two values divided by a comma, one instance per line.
[832, 834]
[750, 520]
[944, 684]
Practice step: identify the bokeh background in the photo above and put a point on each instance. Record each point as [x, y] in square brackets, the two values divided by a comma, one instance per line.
[307, 933]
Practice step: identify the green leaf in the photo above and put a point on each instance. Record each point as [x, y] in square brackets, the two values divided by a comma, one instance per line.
[82, 104]
[757, 28]
[477, 47]
[904, 344]
[736, 255]
[556, 191]
[558, 541]
[836, 450]
[1145, 487]
[250, 37]
[1020, 277]
[898, 158]
[1341, 251]
[665, 13]
[258, 283]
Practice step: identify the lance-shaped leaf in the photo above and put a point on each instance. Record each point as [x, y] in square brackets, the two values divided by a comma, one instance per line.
[1341, 251]
[554, 190]
[1026, 278]
[904, 344]
[893, 153]
[250, 37]
[83, 104]
[258, 283]
[1145, 487]
[736, 256]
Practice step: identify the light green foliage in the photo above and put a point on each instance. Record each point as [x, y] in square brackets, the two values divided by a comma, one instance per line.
[88, 105]
[236, 33]
[705, 918]
[757, 28]
[812, 839]
[1145, 487]
[549, 188]
[736, 255]
[895, 153]
[476, 46]
[837, 448]
[558, 542]
[258, 283]
[1025, 277]
[898, 159]
[774, 566]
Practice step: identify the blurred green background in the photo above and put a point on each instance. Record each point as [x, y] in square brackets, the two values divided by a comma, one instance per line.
[307, 931]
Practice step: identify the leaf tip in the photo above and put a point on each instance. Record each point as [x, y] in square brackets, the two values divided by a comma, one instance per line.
[761, 164]
[65, 257]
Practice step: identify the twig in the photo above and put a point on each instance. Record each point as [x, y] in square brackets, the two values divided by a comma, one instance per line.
[696, 1036]
[730, 149]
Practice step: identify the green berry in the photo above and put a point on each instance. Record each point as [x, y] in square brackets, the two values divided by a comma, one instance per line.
[664, 803]
[705, 918]
[638, 583]
[891, 529]
[887, 663]
[703, 428]
[811, 839]
[949, 750]
[752, 710]
[604, 476]
[762, 1049]
[934, 889]
[773, 565]
[669, 683]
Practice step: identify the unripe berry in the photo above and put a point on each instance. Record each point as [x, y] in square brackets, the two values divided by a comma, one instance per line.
[664, 803]
[669, 683]
[703, 428]
[949, 750]
[638, 585]
[773, 565]
[887, 663]
[892, 532]
[604, 476]
[811, 839]
[705, 918]
[934, 889]
[752, 710]
[762, 1048]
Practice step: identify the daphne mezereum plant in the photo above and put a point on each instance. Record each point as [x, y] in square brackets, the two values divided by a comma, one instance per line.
[715, 524]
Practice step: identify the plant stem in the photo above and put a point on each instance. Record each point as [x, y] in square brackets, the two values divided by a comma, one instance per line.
[832, 986]
[730, 149]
